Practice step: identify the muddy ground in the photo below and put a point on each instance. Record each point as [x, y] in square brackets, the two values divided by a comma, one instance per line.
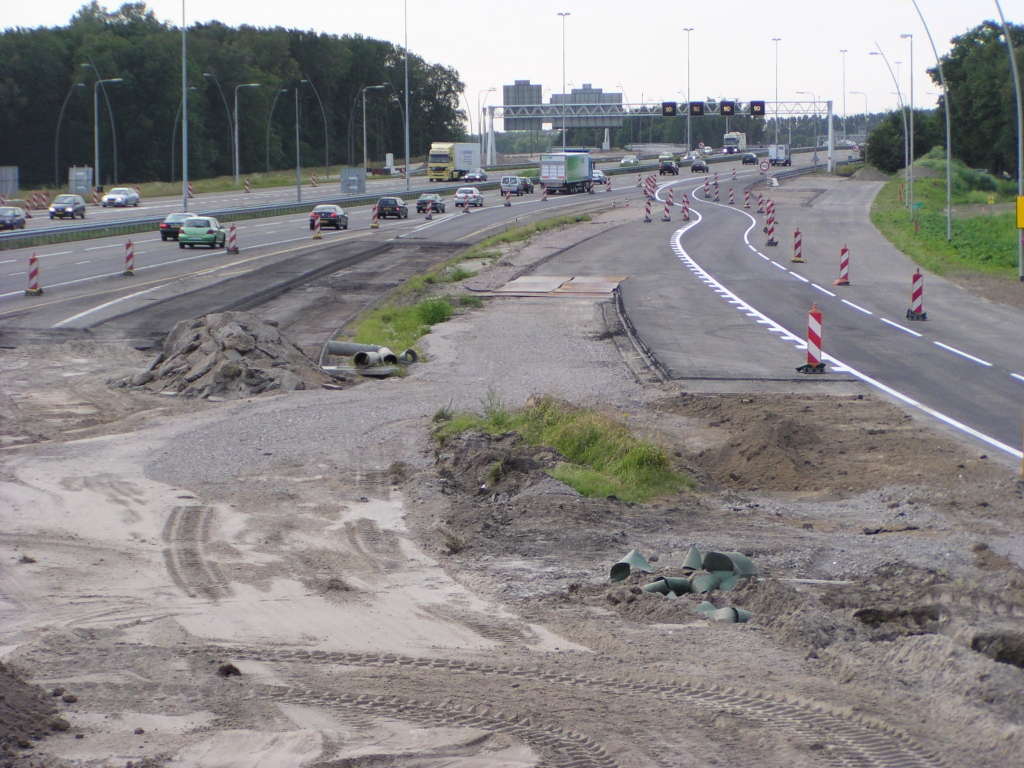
[307, 579]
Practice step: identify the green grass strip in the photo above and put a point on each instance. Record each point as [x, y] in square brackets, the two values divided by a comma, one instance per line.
[603, 457]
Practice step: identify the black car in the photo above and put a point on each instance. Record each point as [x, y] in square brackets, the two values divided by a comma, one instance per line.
[526, 184]
[477, 174]
[12, 217]
[436, 203]
[699, 166]
[668, 166]
[67, 205]
[749, 159]
[330, 216]
[392, 206]
[170, 226]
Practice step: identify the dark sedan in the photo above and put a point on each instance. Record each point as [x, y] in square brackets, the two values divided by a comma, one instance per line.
[12, 217]
[436, 203]
[392, 206]
[478, 174]
[330, 216]
[749, 159]
[699, 166]
[171, 226]
[67, 205]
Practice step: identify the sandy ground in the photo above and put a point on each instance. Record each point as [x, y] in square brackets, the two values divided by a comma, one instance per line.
[306, 579]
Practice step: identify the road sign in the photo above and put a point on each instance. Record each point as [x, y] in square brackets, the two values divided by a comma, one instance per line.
[764, 165]
[1020, 213]
[700, 145]
[856, 147]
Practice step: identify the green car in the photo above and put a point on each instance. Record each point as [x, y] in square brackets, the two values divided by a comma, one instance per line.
[201, 231]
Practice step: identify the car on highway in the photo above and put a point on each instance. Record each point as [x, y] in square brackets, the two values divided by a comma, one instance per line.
[392, 206]
[436, 203]
[668, 167]
[477, 174]
[510, 185]
[469, 196]
[67, 205]
[749, 158]
[201, 230]
[526, 184]
[629, 160]
[730, 150]
[330, 216]
[699, 166]
[12, 217]
[120, 197]
[171, 225]
[599, 177]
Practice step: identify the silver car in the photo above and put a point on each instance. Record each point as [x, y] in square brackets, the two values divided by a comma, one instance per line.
[120, 197]
[467, 196]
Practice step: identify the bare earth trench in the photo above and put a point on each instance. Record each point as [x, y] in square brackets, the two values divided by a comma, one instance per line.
[271, 581]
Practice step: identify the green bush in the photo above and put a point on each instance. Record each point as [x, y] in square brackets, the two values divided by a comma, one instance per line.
[434, 311]
[470, 301]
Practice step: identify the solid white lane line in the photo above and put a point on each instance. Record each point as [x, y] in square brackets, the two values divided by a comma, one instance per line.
[859, 309]
[1017, 376]
[956, 351]
[799, 277]
[815, 285]
[45, 255]
[897, 325]
[9, 261]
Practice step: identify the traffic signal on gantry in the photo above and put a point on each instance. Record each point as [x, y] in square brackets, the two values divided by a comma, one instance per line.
[668, 109]
[727, 108]
[757, 109]
[697, 108]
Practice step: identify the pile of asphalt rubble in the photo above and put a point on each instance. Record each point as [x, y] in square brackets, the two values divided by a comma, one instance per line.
[227, 356]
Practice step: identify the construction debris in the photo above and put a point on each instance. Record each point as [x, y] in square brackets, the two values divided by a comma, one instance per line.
[227, 356]
[633, 559]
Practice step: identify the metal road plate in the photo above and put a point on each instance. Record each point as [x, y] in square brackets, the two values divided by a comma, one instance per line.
[595, 284]
[534, 284]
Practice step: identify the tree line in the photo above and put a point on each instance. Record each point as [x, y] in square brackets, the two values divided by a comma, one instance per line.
[982, 106]
[46, 70]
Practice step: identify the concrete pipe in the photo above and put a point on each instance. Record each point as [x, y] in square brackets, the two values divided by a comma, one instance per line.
[364, 359]
[387, 356]
[409, 356]
[349, 348]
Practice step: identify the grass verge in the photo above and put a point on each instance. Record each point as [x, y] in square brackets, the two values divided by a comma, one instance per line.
[603, 457]
[986, 243]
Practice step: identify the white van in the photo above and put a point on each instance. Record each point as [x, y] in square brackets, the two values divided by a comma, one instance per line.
[511, 185]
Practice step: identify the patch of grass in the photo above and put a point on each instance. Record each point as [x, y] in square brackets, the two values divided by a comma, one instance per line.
[470, 301]
[985, 243]
[603, 457]
[453, 542]
[848, 170]
[399, 327]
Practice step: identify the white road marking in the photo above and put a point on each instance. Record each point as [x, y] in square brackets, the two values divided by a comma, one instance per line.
[82, 262]
[859, 309]
[897, 325]
[776, 264]
[9, 261]
[815, 285]
[101, 247]
[956, 351]
[1017, 376]
[799, 277]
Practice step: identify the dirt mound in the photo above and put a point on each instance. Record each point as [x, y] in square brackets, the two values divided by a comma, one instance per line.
[870, 173]
[27, 714]
[228, 355]
[479, 463]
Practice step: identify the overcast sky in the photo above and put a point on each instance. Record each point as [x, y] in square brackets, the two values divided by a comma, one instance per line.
[642, 54]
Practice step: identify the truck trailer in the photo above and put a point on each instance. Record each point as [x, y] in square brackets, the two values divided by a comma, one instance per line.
[778, 154]
[450, 161]
[567, 172]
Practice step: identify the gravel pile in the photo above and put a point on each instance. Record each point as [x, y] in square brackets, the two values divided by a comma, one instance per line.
[228, 355]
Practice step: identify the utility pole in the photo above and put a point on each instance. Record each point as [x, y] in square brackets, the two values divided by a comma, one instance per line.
[689, 135]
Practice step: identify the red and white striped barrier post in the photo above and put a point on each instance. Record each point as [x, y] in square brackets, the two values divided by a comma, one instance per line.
[95, 197]
[669, 202]
[129, 259]
[317, 235]
[916, 311]
[247, 188]
[614, 206]
[3, 199]
[647, 212]
[191, 194]
[798, 247]
[544, 192]
[844, 267]
[508, 199]
[707, 188]
[375, 217]
[716, 178]
[639, 179]
[232, 240]
[686, 207]
[33, 277]
[430, 210]
[35, 200]
[46, 199]
[814, 363]
[313, 180]
[732, 199]
[771, 232]
[760, 203]
[734, 174]
[716, 193]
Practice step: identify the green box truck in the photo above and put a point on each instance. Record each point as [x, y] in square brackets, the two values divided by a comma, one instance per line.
[567, 172]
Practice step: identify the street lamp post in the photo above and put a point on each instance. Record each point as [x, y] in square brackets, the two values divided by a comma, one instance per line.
[323, 113]
[910, 166]
[174, 132]
[231, 125]
[408, 170]
[298, 148]
[563, 15]
[238, 155]
[480, 116]
[861, 93]
[365, 153]
[776, 40]
[96, 125]
[184, 112]
[269, 119]
[56, 141]
[899, 101]
[1020, 132]
[689, 137]
[843, 51]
